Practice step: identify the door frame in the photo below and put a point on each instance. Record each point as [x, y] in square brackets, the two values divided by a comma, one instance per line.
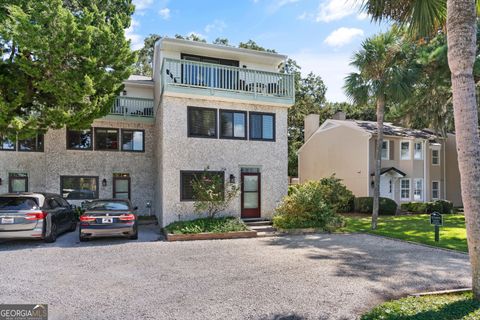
[248, 213]
[115, 178]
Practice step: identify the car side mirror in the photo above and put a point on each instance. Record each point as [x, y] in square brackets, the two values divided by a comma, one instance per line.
[135, 208]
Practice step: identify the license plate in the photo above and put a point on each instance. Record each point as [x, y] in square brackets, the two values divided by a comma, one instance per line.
[7, 220]
[107, 220]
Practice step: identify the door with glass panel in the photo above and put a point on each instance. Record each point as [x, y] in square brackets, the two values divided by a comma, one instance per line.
[251, 195]
[121, 186]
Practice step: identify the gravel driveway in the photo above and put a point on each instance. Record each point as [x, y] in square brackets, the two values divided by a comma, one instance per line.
[297, 277]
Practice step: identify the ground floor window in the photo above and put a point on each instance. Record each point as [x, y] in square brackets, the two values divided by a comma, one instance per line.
[186, 179]
[435, 189]
[121, 186]
[79, 187]
[405, 189]
[417, 189]
[17, 182]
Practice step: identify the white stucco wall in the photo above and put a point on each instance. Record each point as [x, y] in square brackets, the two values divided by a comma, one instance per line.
[186, 153]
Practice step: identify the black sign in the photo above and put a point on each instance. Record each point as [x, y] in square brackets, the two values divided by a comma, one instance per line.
[436, 219]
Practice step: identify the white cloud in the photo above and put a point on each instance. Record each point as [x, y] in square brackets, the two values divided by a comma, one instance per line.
[278, 4]
[331, 10]
[363, 16]
[164, 13]
[343, 36]
[141, 5]
[332, 67]
[216, 25]
[135, 38]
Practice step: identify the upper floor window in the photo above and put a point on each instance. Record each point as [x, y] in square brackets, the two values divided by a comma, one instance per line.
[106, 139]
[435, 157]
[262, 126]
[405, 150]
[6, 144]
[233, 124]
[133, 140]
[31, 144]
[385, 150]
[418, 151]
[202, 122]
[79, 139]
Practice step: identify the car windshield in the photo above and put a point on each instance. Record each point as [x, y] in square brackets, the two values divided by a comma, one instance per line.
[107, 205]
[17, 203]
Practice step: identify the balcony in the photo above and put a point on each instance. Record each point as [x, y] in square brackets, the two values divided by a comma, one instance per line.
[132, 108]
[185, 76]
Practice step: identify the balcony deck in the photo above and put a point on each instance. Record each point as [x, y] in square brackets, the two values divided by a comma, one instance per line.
[198, 78]
[132, 108]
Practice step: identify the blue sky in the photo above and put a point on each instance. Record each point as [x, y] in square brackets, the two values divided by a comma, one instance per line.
[321, 35]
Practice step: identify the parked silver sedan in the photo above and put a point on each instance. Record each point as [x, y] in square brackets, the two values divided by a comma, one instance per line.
[108, 218]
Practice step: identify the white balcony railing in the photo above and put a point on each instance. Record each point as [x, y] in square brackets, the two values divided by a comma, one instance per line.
[132, 107]
[186, 73]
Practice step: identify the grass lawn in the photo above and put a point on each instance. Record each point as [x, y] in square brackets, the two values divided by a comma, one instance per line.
[415, 228]
[212, 225]
[435, 307]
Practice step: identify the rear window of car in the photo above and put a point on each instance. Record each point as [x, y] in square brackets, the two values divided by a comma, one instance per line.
[107, 205]
[17, 203]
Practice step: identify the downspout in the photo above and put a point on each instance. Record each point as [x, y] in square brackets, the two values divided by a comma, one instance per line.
[424, 151]
[368, 164]
[444, 149]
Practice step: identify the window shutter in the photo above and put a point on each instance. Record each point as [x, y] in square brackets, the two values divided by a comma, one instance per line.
[392, 150]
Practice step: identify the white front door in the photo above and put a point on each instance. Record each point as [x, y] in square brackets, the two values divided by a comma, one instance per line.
[386, 186]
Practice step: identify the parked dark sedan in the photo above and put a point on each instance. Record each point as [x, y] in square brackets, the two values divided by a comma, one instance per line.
[31, 215]
[108, 218]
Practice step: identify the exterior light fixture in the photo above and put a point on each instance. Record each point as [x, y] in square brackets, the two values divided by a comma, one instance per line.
[104, 182]
[232, 178]
[372, 183]
[124, 92]
[0, 181]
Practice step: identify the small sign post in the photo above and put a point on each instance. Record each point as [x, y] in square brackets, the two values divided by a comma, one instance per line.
[436, 219]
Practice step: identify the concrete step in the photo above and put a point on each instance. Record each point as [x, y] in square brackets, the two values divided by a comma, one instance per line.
[258, 223]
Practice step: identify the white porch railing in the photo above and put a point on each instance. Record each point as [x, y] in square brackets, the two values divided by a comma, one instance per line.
[188, 73]
[133, 107]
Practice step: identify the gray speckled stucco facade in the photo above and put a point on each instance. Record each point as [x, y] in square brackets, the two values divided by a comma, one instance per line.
[45, 168]
[187, 153]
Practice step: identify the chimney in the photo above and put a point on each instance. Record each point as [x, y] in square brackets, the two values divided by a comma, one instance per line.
[339, 115]
[311, 123]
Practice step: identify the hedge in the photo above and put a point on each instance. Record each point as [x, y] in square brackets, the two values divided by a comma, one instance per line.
[365, 205]
[442, 206]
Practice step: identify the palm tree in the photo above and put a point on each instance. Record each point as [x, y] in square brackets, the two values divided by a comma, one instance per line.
[384, 74]
[459, 17]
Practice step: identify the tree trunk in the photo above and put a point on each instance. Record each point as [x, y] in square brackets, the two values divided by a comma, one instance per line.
[378, 160]
[461, 37]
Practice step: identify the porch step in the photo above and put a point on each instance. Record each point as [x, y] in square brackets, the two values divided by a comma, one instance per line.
[264, 228]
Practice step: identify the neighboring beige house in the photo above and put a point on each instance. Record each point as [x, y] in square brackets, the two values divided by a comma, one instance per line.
[207, 105]
[416, 164]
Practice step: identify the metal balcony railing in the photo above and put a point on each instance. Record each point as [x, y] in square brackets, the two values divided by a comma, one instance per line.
[186, 73]
[132, 107]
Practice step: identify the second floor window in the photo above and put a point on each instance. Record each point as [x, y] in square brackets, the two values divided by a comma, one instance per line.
[106, 139]
[405, 150]
[31, 144]
[418, 151]
[6, 144]
[79, 139]
[262, 126]
[133, 140]
[202, 122]
[435, 157]
[385, 150]
[233, 124]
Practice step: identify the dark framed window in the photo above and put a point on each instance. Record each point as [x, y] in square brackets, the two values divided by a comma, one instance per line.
[7, 144]
[262, 126]
[33, 144]
[186, 179]
[133, 140]
[79, 139]
[233, 124]
[79, 187]
[106, 139]
[17, 182]
[202, 122]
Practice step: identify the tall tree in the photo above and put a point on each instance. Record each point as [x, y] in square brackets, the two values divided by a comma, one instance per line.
[144, 62]
[460, 19]
[383, 76]
[62, 62]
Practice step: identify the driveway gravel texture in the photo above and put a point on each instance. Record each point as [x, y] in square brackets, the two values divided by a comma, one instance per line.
[327, 276]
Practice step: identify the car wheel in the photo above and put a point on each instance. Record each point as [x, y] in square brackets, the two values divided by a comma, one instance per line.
[82, 238]
[135, 235]
[52, 237]
[73, 227]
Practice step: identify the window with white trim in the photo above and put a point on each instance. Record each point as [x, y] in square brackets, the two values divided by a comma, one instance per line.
[385, 150]
[435, 190]
[435, 157]
[405, 189]
[418, 189]
[418, 151]
[405, 150]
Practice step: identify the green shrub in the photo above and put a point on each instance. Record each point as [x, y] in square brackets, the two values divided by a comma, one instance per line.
[307, 207]
[365, 205]
[292, 188]
[447, 206]
[213, 225]
[442, 206]
[336, 194]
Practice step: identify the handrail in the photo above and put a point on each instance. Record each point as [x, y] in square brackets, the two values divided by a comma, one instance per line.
[133, 107]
